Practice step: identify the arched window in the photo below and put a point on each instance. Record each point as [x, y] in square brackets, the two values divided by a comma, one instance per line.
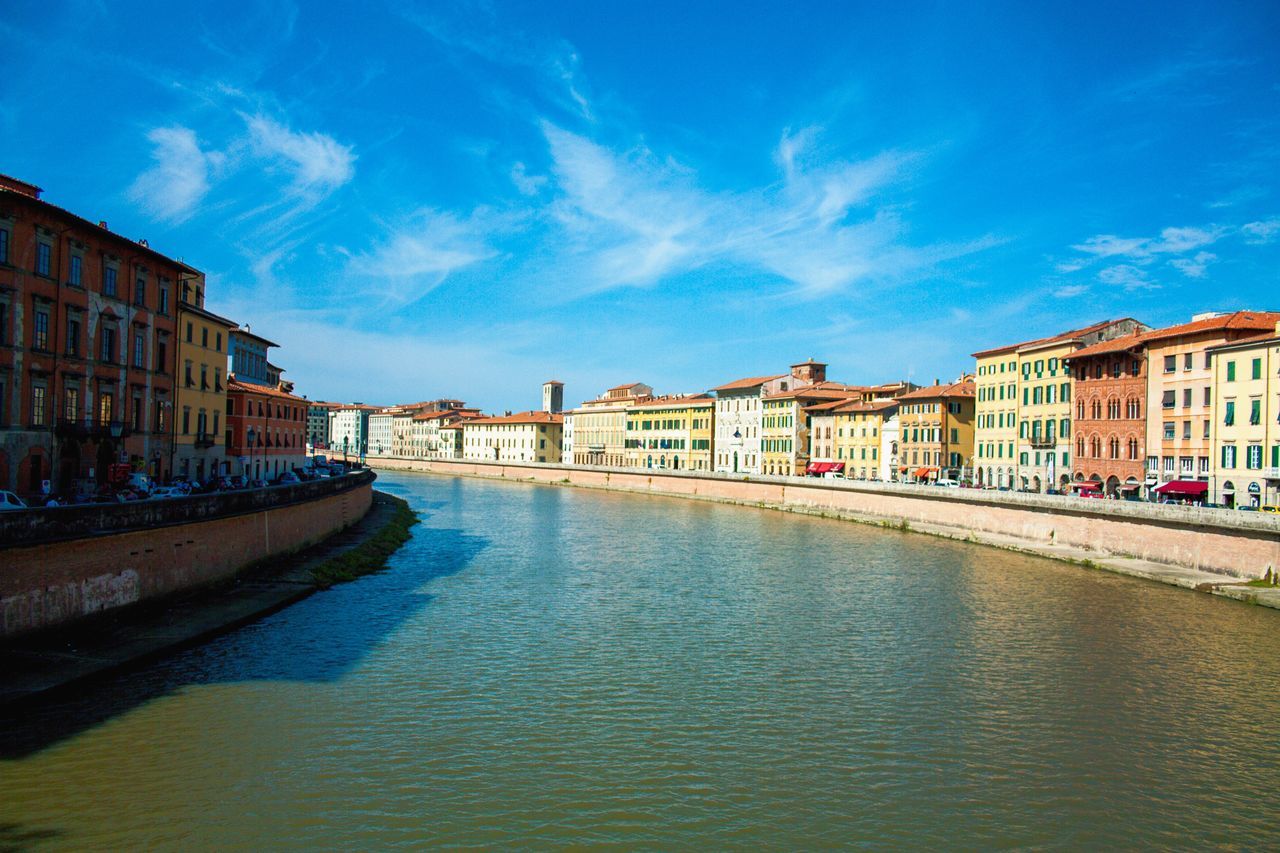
[1080, 446]
[1080, 409]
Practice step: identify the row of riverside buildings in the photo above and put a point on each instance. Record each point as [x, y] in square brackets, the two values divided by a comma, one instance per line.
[110, 363]
[1118, 409]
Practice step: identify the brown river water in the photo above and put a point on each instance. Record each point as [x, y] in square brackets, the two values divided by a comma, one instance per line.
[549, 667]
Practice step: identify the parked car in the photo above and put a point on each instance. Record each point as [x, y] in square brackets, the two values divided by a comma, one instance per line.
[1273, 510]
[8, 500]
[947, 483]
[287, 478]
[167, 492]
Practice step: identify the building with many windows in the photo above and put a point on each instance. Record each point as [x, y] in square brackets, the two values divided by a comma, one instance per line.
[866, 438]
[87, 355]
[600, 425]
[739, 417]
[266, 430]
[1245, 458]
[936, 431]
[199, 440]
[1180, 397]
[1110, 417]
[318, 412]
[349, 431]
[672, 432]
[787, 424]
[522, 437]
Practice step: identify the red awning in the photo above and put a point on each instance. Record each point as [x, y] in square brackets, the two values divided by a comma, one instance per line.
[1183, 487]
[836, 466]
[1088, 486]
[812, 468]
[924, 472]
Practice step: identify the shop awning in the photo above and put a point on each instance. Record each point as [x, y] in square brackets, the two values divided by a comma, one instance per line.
[1129, 487]
[836, 467]
[924, 472]
[812, 468]
[1087, 486]
[823, 467]
[1183, 487]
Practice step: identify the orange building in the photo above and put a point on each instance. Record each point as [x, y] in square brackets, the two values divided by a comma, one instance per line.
[266, 430]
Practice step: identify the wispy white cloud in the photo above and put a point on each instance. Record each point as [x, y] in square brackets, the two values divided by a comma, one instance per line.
[1071, 291]
[526, 183]
[317, 162]
[179, 180]
[1144, 249]
[1259, 233]
[632, 218]
[1127, 276]
[421, 253]
[1193, 267]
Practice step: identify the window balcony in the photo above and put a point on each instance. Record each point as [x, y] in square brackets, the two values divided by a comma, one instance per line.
[204, 440]
[1271, 473]
[1037, 440]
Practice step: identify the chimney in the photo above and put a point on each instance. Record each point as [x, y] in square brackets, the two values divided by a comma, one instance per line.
[143, 243]
[102, 223]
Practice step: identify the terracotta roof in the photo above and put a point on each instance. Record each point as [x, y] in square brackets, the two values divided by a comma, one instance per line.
[236, 385]
[1252, 340]
[749, 382]
[1062, 336]
[964, 388]
[1263, 321]
[676, 400]
[520, 418]
[1120, 344]
[874, 406]
[624, 387]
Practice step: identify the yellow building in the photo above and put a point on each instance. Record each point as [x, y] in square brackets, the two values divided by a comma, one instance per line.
[671, 432]
[786, 427]
[200, 404]
[861, 431]
[1246, 421]
[996, 417]
[523, 437]
[600, 425]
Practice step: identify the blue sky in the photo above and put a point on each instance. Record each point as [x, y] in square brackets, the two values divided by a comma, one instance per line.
[466, 199]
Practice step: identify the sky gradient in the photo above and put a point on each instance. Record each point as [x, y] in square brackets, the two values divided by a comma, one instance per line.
[464, 200]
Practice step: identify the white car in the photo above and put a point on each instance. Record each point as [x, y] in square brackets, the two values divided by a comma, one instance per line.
[166, 492]
[947, 483]
[8, 500]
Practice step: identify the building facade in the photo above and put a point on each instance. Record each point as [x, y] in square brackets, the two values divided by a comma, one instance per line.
[1180, 397]
[380, 433]
[860, 439]
[936, 438]
[600, 425]
[739, 415]
[996, 417]
[523, 437]
[1110, 419]
[349, 431]
[1245, 460]
[318, 413]
[672, 432]
[199, 440]
[266, 430]
[87, 350]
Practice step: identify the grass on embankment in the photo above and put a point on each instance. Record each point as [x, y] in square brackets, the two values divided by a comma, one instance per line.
[372, 554]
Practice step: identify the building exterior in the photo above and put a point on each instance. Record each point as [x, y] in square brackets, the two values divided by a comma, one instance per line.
[1245, 460]
[523, 437]
[566, 438]
[1037, 457]
[672, 432]
[936, 431]
[786, 424]
[349, 430]
[553, 396]
[87, 350]
[266, 430]
[431, 436]
[600, 425]
[380, 436]
[1180, 397]
[248, 356]
[860, 438]
[199, 440]
[318, 413]
[451, 438]
[739, 415]
[1110, 419]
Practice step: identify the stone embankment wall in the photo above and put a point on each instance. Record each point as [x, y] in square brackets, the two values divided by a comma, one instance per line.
[64, 563]
[1240, 544]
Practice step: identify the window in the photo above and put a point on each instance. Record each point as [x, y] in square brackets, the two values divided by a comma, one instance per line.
[1186, 361]
[1186, 398]
[140, 291]
[1229, 417]
[71, 404]
[1255, 369]
[1253, 456]
[109, 281]
[73, 336]
[1186, 464]
[162, 351]
[1168, 430]
[1168, 464]
[106, 406]
[1255, 412]
[1207, 423]
[204, 336]
[37, 405]
[1208, 395]
[1170, 363]
[4, 322]
[4, 245]
[189, 332]
[1135, 367]
[1228, 456]
[139, 350]
[219, 344]
[137, 414]
[41, 337]
[108, 344]
[164, 299]
[1186, 430]
[43, 252]
[75, 273]
[1231, 371]
[1168, 399]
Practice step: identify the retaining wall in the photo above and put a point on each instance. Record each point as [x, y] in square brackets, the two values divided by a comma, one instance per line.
[67, 568]
[1228, 542]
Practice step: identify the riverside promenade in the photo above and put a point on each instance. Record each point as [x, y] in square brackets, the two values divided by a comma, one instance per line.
[1208, 550]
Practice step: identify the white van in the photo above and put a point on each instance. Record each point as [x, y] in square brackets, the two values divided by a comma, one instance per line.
[947, 483]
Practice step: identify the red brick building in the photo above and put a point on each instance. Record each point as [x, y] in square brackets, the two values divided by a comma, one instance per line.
[87, 348]
[1110, 417]
[266, 430]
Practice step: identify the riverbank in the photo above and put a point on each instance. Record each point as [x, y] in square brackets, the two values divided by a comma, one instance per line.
[1178, 546]
[48, 662]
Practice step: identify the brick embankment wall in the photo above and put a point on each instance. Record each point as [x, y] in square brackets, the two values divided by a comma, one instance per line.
[159, 548]
[1239, 544]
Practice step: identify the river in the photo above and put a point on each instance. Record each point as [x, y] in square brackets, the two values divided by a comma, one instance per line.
[544, 666]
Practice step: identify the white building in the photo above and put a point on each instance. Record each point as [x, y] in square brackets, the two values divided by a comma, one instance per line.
[889, 430]
[523, 437]
[380, 433]
[349, 431]
[566, 441]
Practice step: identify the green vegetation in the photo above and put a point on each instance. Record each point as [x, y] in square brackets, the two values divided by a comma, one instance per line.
[371, 555]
